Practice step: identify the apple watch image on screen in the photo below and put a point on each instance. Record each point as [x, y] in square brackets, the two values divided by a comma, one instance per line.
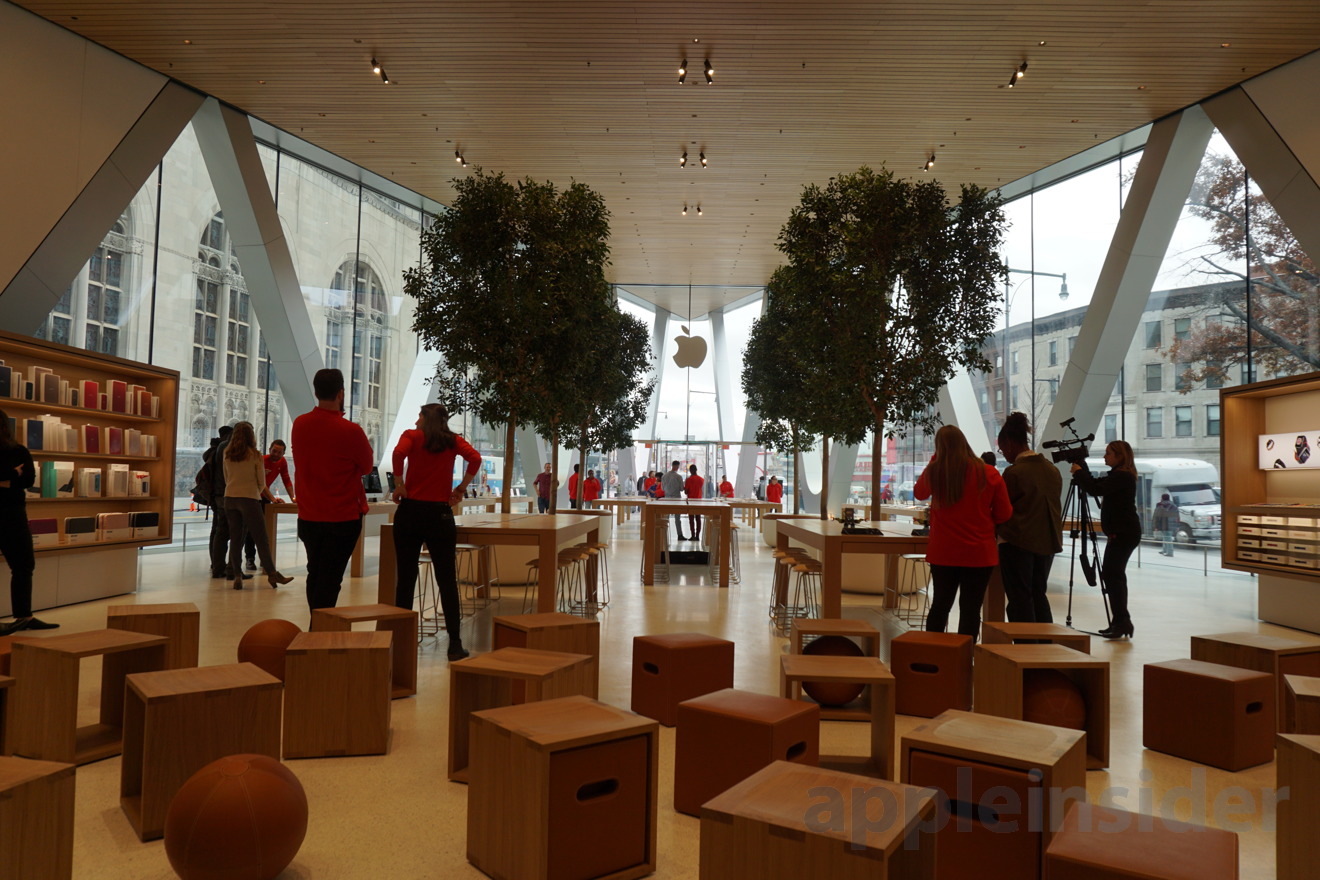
[1269, 445]
[1279, 465]
[1301, 449]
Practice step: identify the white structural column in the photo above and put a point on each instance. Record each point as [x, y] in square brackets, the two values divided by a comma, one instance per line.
[417, 392]
[1150, 214]
[723, 377]
[744, 482]
[659, 329]
[958, 406]
[232, 160]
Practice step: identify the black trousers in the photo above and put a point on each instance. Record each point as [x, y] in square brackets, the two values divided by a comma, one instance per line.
[1113, 568]
[329, 547]
[430, 523]
[247, 525]
[968, 585]
[694, 525]
[250, 546]
[219, 537]
[16, 547]
[1026, 576]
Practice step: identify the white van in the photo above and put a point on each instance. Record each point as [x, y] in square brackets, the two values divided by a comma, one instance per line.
[1190, 482]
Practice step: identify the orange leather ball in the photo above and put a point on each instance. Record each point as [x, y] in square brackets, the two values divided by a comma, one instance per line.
[1051, 697]
[265, 643]
[833, 693]
[239, 818]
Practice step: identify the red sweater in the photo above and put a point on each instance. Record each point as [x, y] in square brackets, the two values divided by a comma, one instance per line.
[277, 468]
[330, 456]
[726, 489]
[774, 492]
[591, 489]
[963, 534]
[693, 486]
[430, 475]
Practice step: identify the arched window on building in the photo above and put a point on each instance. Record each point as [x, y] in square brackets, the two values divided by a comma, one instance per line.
[92, 310]
[366, 325]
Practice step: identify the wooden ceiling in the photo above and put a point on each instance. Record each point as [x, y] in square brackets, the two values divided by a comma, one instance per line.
[588, 90]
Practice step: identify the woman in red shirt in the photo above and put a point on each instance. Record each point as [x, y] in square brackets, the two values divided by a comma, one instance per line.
[726, 488]
[425, 494]
[967, 500]
[774, 491]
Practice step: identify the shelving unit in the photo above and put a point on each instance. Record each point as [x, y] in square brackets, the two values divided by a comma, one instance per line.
[76, 572]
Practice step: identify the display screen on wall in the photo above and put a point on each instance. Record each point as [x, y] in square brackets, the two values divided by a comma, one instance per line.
[1287, 451]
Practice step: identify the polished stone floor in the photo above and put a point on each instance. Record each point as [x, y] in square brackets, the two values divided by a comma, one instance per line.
[397, 816]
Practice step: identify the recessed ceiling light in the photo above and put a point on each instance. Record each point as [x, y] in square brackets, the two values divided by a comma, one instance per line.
[1224, 45]
[261, 82]
[189, 43]
[1141, 88]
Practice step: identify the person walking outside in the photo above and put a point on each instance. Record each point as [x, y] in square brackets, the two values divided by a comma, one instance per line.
[967, 500]
[1166, 522]
[544, 484]
[1034, 533]
[245, 486]
[671, 484]
[17, 473]
[330, 457]
[426, 496]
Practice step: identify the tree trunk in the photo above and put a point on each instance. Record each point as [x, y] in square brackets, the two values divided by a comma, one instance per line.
[877, 469]
[554, 469]
[824, 477]
[582, 469]
[797, 480]
[506, 492]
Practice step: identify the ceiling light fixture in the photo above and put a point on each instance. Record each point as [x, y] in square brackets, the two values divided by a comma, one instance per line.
[685, 209]
[930, 163]
[458, 157]
[682, 161]
[380, 71]
[375, 67]
[710, 73]
[682, 72]
[703, 160]
[698, 209]
[1017, 74]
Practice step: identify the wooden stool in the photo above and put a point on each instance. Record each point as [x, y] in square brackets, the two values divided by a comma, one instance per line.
[670, 668]
[932, 672]
[6, 649]
[5, 684]
[876, 704]
[1262, 653]
[1096, 843]
[562, 788]
[1302, 710]
[337, 694]
[805, 629]
[998, 679]
[1296, 845]
[485, 682]
[551, 631]
[993, 633]
[179, 720]
[726, 736]
[975, 760]
[402, 622]
[763, 828]
[1209, 713]
[45, 723]
[36, 819]
[180, 622]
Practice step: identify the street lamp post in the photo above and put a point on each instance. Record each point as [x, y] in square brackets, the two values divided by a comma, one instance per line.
[1008, 304]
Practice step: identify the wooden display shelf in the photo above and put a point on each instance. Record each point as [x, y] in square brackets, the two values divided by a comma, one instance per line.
[91, 546]
[57, 409]
[107, 456]
[99, 498]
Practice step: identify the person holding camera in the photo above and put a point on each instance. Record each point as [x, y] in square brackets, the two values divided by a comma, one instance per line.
[1034, 533]
[967, 500]
[1118, 518]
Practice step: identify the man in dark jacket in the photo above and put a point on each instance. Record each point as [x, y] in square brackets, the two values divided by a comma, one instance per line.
[214, 459]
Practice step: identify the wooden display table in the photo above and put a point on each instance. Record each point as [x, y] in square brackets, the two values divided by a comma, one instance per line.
[401, 622]
[655, 511]
[835, 626]
[36, 819]
[997, 680]
[752, 509]
[828, 538]
[977, 759]
[1297, 846]
[766, 828]
[485, 682]
[180, 622]
[5, 684]
[879, 711]
[622, 507]
[179, 720]
[551, 631]
[563, 788]
[1302, 709]
[1271, 654]
[357, 563]
[337, 694]
[45, 706]
[544, 532]
[1000, 633]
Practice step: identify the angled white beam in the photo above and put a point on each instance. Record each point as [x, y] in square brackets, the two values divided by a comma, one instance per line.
[232, 160]
[723, 378]
[744, 482]
[1150, 214]
[958, 406]
[659, 328]
[417, 392]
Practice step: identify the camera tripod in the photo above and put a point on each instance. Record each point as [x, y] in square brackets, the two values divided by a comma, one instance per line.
[1077, 512]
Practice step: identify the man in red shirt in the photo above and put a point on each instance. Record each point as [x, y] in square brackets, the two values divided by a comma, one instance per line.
[726, 488]
[692, 487]
[572, 486]
[330, 456]
[774, 491]
[544, 484]
[590, 489]
[276, 466]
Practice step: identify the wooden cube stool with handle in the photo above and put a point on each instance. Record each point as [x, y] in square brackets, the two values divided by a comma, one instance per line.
[673, 667]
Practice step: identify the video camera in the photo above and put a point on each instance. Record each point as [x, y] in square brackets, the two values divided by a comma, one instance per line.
[1073, 451]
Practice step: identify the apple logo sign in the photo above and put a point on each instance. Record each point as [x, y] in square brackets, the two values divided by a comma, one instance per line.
[691, 350]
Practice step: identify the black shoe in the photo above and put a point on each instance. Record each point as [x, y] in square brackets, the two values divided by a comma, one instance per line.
[229, 575]
[1119, 631]
[458, 652]
[24, 623]
[251, 565]
[219, 574]
[12, 626]
[681, 537]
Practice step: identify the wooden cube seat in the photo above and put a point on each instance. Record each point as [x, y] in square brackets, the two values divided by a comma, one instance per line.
[551, 631]
[672, 667]
[402, 622]
[859, 631]
[932, 672]
[337, 690]
[180, 622]
[36, 819]
[1097, 843]
[1302, 711]
[726, 736]
[1275, 655]
[1209, 713]
[1005, 633]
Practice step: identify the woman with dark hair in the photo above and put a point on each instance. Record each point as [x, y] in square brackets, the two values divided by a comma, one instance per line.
[245, 486]
[1034, 533]
[426, 494]
[1118, 517]
[16, 475]
[967, 500]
